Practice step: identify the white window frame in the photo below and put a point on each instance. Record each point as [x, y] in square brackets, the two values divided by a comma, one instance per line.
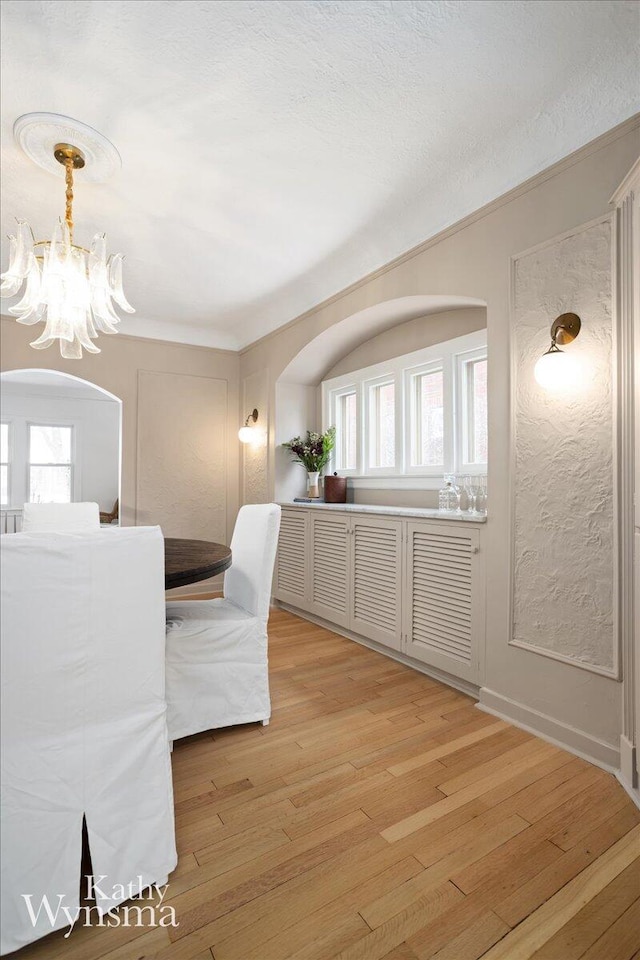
[9, 463]
[465, 402]
[448, 356]
[411, 418]
[336, 396]
[367, 387]
[75, 485]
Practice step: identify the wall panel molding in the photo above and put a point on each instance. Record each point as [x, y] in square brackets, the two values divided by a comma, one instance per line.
[182, 455]
[564, 589]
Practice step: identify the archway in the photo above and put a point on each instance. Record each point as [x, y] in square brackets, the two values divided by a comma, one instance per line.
[61, 440]
[297, 403]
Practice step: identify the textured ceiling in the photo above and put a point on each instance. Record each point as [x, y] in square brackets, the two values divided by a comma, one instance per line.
[274, 152]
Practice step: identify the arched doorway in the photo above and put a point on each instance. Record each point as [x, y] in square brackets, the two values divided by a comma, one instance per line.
[61, 442]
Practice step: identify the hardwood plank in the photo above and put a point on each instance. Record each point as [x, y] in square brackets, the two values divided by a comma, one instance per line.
[620, 939]
[473, 942]
[544, 922]
[402, 952]
[447, 748]
[410, 824]
[400, 927]
[580, 934]
[531, 895]
[382, 909]
[432, 938]
[301, 936]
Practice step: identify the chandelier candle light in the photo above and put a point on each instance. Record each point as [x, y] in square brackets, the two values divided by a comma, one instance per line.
[66, 286]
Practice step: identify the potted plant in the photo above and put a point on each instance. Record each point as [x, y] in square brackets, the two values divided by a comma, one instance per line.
[314, 453]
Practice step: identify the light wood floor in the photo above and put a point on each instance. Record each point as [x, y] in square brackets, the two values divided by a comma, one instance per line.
[381, 815]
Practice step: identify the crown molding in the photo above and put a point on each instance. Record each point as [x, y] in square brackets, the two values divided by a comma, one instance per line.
[165, 343]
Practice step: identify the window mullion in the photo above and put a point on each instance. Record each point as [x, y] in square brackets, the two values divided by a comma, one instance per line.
[448, 414]
[398, 410]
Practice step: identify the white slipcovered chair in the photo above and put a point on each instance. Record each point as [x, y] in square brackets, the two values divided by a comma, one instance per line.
[84, 731]
[60, 517]
[217, 663]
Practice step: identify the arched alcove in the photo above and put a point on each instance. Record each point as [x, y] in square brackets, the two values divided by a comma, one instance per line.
[43, 406]
[312, 362]
[297, 395]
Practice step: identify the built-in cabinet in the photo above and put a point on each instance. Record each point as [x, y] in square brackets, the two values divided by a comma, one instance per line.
[444, 597]
[415, 586]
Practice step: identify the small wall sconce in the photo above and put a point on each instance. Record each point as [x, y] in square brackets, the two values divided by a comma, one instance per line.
[248, 433]
[557, 370]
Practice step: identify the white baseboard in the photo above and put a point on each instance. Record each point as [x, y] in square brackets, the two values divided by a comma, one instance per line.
[463, 686]
[627, 774]
[555, 731]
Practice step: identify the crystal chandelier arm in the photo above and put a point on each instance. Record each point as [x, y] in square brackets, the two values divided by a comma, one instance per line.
[11, 283]
[31, 297]
[19, 263]
[115, 283]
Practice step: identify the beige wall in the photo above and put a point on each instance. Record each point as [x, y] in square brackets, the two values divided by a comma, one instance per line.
[473, 260]
[118, 368]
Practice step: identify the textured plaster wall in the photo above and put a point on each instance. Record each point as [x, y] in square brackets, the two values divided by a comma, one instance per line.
[564, 481]
[182, 423]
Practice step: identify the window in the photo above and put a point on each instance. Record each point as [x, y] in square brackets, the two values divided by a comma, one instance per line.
[413, 419]
[4, 464]
[381, 409]
[472, 396]
[477, 394]
[346, 419]
[427, 419]
[50, 463]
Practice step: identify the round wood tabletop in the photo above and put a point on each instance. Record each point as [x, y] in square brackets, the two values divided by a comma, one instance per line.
[187, 561]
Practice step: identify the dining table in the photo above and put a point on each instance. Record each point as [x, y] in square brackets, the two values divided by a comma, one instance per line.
[188, 561]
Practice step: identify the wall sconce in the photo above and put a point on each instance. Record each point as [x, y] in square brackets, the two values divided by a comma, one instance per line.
[247, 433]
[557, 370]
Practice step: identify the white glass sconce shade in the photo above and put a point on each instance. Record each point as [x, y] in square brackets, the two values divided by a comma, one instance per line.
[557, 371]
[248, 433]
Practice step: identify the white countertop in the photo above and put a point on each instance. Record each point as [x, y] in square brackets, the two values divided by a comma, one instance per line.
[426, 513]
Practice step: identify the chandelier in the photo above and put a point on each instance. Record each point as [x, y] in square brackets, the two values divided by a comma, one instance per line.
[69, 288]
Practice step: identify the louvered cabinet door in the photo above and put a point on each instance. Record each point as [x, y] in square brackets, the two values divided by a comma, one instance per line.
[376, 546]
[444, 599]
[329, 586]
[292, 563]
